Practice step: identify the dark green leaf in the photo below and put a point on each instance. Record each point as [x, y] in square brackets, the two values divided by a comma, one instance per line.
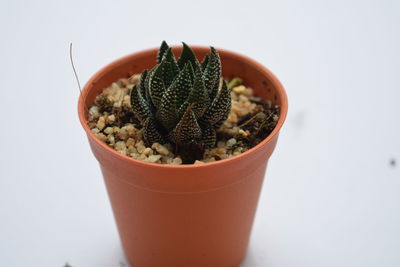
[142, 87]
[187, 130]
[151, 133]
[139, 105]
[209, 136]
[182, 85]
[212, 73]
[167, 113]
[198, 97]
[205, 63]
[156, 84]
[187, 55]
[171, 69]
[220, 107]
[164, 46]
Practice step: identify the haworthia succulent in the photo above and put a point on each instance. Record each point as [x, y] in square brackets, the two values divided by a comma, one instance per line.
[182, 101]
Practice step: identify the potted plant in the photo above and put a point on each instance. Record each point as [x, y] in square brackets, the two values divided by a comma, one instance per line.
[182, 180]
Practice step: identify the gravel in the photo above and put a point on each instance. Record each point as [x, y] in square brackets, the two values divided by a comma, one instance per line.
[108, 121]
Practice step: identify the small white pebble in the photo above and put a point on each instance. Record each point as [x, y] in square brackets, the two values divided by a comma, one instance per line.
[177, 161]
[111, 139]
[131, 149]
[101, 123]
[127, 101]
[198, 162]
[130, 142]
[95, 130]
[160, 149]
[108, 130]
[220, 144]
[111, 118]
[120, 145]
[116, 129]
[134, 79]
[243, 133]
[134, 155]
[153, 158]
[231, 142]
[248, 92]
[93, 112]
[239, 89]
[147, 151]
[130, 129]
[102, 137]
[142, 157]
[211, 159]
[140, 146]
[123, 133]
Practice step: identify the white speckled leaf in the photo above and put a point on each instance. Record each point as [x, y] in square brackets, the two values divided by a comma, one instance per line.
[209, 136]
[219, 107]
[142, 87]
[171, 69]
[212, 73]
[205, 62]
[163, 48]
[156, 84]
[151, 134]
[187, 130]
[187, 55]
[182, 85]
[139, 105]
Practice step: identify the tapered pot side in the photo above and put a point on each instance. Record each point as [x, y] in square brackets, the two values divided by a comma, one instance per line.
[185, 215]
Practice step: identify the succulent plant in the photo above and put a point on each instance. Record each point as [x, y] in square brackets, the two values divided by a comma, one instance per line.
[182, 101]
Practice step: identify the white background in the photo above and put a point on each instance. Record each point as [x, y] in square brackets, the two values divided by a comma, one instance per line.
[331, 196]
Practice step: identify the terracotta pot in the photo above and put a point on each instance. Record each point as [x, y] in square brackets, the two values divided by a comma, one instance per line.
[188, 215]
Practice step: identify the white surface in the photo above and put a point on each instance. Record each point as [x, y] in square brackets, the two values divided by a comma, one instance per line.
[331, 198]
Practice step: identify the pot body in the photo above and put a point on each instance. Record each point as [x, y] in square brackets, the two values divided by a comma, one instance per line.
[193, 215]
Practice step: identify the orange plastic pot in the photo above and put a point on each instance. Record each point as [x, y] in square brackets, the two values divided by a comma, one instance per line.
[188, 215]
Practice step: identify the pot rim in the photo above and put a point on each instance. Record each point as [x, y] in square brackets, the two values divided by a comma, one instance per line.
[277, 84]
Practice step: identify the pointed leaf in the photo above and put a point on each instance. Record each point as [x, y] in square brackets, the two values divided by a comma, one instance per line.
[171, 68]
[196, 70]
[220, 107]
[187, 55]
[187, 130]
[205, 62]
[212, 73]
[209, 136]
[142, 87]
[164, 46]
[182, 85]
[198, 97]
[151, 133]
[156, 84]
[167, 113]
[139, 105]
[147, 87]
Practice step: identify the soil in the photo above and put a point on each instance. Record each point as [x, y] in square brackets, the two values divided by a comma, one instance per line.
[251, 120]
